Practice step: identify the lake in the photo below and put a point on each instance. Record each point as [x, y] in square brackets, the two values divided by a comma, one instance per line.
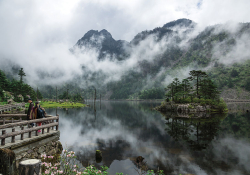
[125, 130]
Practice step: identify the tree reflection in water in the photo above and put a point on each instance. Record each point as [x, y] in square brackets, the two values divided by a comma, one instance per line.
[196, 132]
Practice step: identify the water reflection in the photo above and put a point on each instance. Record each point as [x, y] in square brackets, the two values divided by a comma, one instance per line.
[126, 130]
[197, 133]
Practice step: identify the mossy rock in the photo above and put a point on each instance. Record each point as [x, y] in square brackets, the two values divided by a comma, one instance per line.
[98, 156]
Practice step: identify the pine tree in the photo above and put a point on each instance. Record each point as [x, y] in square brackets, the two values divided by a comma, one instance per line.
[197, 75]
[208, 89]
[186, 87]
[21, 74]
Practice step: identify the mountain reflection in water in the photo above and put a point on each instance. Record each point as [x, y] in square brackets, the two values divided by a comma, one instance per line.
[125, 130]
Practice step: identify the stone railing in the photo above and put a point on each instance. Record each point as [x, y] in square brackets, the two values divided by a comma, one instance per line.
[9, 107]
[48, 122]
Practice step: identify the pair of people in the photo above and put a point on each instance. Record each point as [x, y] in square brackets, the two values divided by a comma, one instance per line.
[32, 112]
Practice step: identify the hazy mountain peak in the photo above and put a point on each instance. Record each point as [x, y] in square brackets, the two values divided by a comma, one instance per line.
[104, 43]
[105, 33]
[180, 22]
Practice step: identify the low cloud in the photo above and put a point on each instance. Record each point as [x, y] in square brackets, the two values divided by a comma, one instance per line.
[37, 35]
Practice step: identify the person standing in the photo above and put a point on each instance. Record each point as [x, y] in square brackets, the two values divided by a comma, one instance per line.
[29, 110]
[33, 113]
[40, 114]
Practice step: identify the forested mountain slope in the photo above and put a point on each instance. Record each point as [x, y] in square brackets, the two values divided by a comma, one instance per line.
[164, 53]
[143, 67]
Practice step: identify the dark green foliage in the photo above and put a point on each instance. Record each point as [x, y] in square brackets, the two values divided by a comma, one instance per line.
[183, 93]
[234, 73]
[154, 93]
[208, 89]
[247, 84]
[1, 93]
[4, 83]
[230, 82]
[39, 95]
[197, 76]
[223, 78]
[16, 88]
[77, 97]
[64, 96]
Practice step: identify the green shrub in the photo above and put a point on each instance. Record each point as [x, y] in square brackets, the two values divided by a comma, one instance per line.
[190, 106]
[188, 100]
[222, 106]
[196, 100]
[208, 101]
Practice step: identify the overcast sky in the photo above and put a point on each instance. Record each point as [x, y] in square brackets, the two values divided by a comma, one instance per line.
[44, 30]
[69, 20]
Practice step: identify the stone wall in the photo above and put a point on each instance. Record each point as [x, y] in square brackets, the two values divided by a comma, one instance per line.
[10, 158]
[51, 148]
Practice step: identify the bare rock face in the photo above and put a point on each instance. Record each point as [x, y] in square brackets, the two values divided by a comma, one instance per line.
[183, 108]
[200, 108]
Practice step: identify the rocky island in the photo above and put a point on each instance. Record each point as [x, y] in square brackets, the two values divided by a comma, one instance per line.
[194, 94]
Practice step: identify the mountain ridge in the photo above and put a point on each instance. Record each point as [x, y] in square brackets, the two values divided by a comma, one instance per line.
[106, 45]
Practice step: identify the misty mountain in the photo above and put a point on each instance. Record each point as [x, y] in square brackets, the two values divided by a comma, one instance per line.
[104, 43]
[107, 46]
[168, 29]
[150, 61]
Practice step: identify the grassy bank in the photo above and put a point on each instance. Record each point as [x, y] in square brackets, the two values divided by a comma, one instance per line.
[51, 104]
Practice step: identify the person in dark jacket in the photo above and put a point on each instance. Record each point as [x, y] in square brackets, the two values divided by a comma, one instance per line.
[33, 114]
[29, 110]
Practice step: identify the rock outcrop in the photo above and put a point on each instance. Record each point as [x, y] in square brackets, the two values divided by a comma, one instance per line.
[183, 108]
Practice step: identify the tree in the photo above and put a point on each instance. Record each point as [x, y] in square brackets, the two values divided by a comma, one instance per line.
[197, 75]
[208, 89]
[177, 88]
[230, 83]
[170, 93]
[21, 74]
[1, 92]
[64, 95]
[234, 73]
[174, 90]
[247, 84]
[39, 95]
[186, 87]
[4, 82]
[77, 97]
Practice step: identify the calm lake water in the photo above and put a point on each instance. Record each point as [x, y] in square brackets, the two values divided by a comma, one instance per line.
[125, 130]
